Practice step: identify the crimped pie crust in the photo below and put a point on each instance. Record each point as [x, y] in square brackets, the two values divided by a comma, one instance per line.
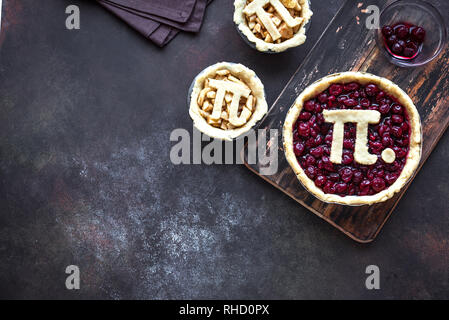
[298, 39]
[257, 90]
[413, 157]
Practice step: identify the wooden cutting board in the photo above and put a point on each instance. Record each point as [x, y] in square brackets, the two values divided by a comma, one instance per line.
[347, 45]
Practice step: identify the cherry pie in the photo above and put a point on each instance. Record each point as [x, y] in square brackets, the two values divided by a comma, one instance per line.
[227, 100]
[273, 25]
[353, 138]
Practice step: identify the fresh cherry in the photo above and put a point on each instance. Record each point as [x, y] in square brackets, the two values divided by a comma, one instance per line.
[320, 181]
[322, 98]
[298, 148]
[403, 40]
[396, 108]
[419, 34]
[335, 89]
[392, 39]
[397, 48]
[402, 31]
[387, 31]
[371, 90]
[384, 108]
[378, 184]
[408, 52]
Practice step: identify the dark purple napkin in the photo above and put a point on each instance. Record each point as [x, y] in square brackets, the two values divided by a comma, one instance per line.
[193, 24]
[176, 10]
[156, 27]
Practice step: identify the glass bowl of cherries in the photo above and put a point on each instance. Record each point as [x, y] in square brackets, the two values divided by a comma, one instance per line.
[411, 33]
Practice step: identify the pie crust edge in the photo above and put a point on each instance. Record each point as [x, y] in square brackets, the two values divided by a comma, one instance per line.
[413, 157]
[257, 90]
[298, 39]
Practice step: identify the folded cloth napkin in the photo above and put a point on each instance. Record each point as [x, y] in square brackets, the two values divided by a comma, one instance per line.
[156, 22]
[176, 10]
[192, 24]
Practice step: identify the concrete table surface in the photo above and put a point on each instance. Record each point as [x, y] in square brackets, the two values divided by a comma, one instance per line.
[86, 178]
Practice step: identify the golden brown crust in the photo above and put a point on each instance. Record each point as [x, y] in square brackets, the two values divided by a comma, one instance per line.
[413, 157]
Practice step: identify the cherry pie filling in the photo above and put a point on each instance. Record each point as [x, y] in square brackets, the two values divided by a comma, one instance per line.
[312, 140]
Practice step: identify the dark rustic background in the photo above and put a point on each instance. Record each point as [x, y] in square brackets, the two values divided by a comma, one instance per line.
[85, 176]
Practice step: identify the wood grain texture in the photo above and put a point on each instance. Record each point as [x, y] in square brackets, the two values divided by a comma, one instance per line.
[347, 45]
